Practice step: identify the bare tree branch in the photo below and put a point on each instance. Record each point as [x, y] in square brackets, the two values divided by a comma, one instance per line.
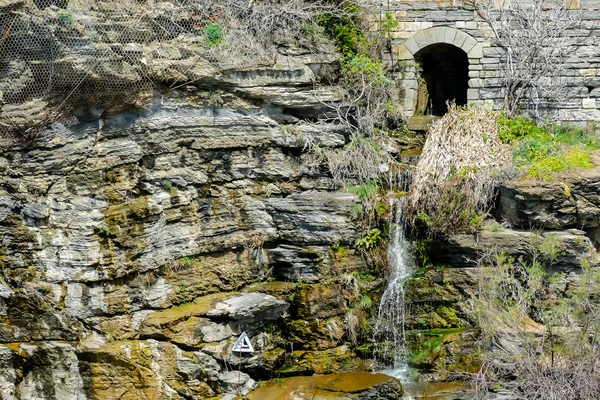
[537, 36]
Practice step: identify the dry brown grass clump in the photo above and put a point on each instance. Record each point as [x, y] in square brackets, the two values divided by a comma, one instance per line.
[462, 162]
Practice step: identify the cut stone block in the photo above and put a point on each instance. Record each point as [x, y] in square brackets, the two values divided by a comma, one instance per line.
[589, 103]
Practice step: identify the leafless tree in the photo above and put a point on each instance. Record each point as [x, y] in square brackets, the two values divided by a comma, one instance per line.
[537, 37]
[365, 107]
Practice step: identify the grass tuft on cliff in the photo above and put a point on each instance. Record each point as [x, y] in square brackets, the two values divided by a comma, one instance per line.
[551, 320]
[542, 151]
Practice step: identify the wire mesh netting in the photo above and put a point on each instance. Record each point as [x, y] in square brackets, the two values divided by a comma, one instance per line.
[73, 60]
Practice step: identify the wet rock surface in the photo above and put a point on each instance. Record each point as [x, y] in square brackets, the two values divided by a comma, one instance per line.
[346, 386]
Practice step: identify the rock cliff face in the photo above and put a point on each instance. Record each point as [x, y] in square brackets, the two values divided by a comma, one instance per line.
[572, 201]
[135, 248]
[538, 217]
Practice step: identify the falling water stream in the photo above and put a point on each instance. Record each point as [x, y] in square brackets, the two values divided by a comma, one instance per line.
[389, 333]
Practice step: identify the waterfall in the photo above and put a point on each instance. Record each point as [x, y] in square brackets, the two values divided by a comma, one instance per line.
[389, 333]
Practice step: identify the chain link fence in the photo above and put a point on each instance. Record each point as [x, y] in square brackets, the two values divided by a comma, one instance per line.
[69, 61]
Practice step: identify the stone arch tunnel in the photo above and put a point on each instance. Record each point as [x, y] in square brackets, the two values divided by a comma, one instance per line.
[460, 24]
[437, 63]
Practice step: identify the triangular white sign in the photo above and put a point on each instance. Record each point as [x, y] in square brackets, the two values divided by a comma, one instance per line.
[243, 344]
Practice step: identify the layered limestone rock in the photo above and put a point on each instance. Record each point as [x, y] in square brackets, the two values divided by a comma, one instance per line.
[85, 60]
[137, 247]
[572, 246]
[570, 201]
[552, 221]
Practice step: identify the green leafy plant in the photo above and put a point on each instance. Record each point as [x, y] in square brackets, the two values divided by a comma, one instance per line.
[541, 151]
[514, 129]
[389, 23]
[369, 240]
[105, 230]
[166, 185]
[357, 210]
[294, 291]
[542, 159]
[339, 250]
[363, 277]
[365, 302]
[367, 190]
[214, 34]
[360, 66]
[344, 29]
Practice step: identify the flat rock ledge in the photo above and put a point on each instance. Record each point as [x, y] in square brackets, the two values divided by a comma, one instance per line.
[571, 201]
[464, 250]
[249, 307]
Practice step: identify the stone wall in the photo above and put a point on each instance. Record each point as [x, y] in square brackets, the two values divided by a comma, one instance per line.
[423, 23]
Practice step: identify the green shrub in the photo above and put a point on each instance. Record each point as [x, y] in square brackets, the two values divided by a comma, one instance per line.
[344, 30]
[574, 136]
[546, 167]
[368, 190]
[578, 158]
[389, 23]
[529, 150]
[511, 130]
[214, 34]
[359, 67]
[520, 128]
[543, 151]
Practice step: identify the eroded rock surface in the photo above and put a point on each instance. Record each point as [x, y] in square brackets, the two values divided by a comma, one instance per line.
[572, 247]
[571, 201]
[136, 248]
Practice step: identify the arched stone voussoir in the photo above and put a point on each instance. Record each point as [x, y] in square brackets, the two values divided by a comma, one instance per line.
[440, 34]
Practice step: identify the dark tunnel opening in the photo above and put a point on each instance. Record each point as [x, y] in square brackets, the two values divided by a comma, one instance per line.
[444, 77]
